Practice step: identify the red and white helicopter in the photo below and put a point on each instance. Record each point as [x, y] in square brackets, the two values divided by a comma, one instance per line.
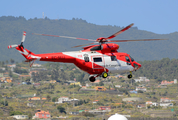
[97, 60]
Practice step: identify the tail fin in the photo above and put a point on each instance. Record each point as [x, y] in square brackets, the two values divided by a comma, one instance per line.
[26, 53]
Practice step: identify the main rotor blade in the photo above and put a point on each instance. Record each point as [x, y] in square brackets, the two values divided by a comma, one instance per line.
[135, 40]
[23, 37]
[64, 37]
[84, 44]
[119, 32]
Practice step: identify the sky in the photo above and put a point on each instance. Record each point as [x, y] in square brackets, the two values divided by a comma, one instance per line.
[158, 16]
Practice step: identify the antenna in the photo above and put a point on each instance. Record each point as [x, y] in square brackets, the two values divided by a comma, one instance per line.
[43, 15]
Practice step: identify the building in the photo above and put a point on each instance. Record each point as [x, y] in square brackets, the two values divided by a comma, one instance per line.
[2, 68]
[66, 99]
[166, 100]
[99, 112]
[6, 79]
[62, 100]
[166, 104]
[142, 79]
[84, 87]
[133, 91]
[151, 103]
[36, 65]
[75, 83]
[52, 81]
[104, 108]
[95, 101]
[118, 86]
[141, 106]
[36, 98]
[100, 88]
[141, 89]
[74, 113]
[42, 114]
[132, 99]
[31, 105]
[165, 82]
[20, 117]
[12, 66]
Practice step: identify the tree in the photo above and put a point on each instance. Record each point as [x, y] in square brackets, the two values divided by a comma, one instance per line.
[87, 114]
[72, 76]
[61, 109]
[54, 99]
[15, 113]
[5, 103]
[48, 98]
[7, 61]
[12, 61]
[139, 91]
[10, 73]
[51, 86]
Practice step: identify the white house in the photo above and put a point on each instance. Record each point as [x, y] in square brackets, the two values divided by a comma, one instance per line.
[141, 88]
[20, 117]
[118, 86]
[166, 100]
[62, 100]
[36, 65]
[142, 79]
[12, 66]
[166, 104]
[151, 103]
[31, 105]
[66, 99]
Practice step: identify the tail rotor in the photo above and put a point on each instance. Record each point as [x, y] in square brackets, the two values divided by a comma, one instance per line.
[23, 39]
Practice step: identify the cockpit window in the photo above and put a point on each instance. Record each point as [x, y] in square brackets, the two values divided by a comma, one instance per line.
[113, 58]
[96, 48]
[127, 58]
[131, 59]
[86, 59]
[98, 59]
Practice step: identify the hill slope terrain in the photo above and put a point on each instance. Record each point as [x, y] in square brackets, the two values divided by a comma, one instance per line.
[12, 27]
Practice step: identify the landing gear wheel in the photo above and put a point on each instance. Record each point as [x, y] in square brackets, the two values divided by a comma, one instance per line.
[92, 79]
[129, 76]
[104, 74]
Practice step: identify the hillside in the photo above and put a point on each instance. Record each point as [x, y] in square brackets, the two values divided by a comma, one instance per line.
[12, 27]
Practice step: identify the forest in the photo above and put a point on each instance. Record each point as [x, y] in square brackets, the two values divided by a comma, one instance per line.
[164, 69]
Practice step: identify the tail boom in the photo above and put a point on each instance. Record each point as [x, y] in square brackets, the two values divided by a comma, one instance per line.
[27, 54]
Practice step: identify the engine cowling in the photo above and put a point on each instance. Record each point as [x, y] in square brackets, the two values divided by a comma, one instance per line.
[110, 47]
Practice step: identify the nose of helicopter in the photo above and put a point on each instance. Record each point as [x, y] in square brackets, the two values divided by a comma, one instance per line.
[137, 65]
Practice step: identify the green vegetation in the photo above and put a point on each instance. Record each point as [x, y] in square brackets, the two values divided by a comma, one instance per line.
[12, 28]
[165, 69]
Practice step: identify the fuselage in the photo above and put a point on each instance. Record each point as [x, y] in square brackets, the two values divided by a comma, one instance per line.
[95, 60]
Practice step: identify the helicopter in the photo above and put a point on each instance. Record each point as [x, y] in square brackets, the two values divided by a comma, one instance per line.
[98, 60]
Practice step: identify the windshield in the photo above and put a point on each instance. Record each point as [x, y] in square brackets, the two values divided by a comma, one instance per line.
[131, 59]
[127, 58]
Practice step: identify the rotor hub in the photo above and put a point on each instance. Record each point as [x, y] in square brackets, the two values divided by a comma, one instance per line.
[101, 40]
